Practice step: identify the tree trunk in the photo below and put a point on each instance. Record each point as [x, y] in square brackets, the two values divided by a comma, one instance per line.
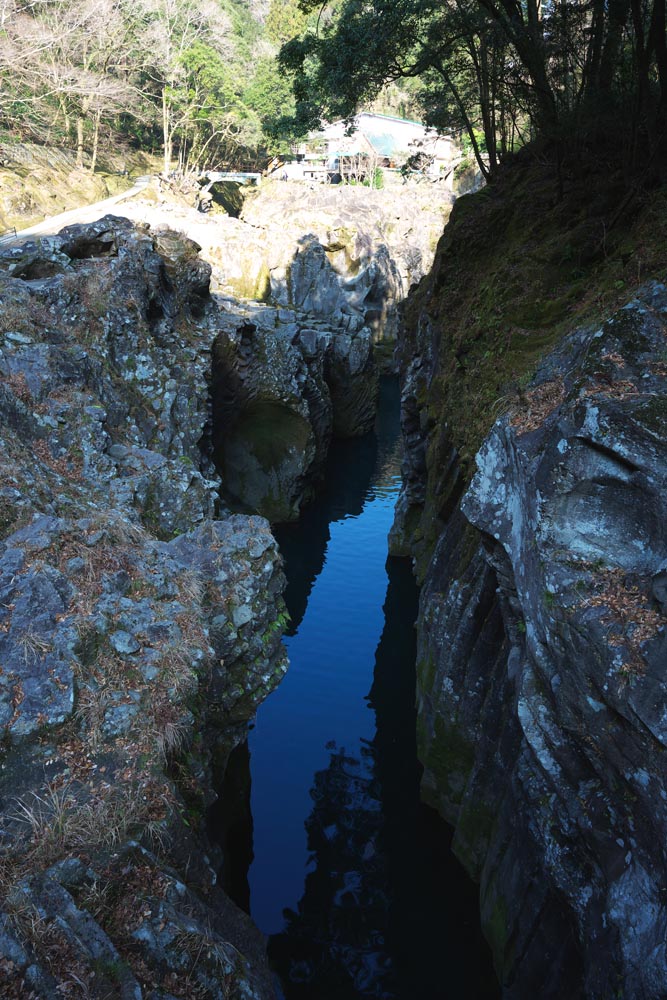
[617, 16]
[79, 141]
[484, 170]
[658, 41]
[166, 133]
[67, 122]
[96, 141]
[527, 38]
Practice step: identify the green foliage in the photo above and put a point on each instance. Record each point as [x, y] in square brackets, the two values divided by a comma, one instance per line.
[191, 77]
[495, 69]
[377, 180]
[285, 20]
[269, 94]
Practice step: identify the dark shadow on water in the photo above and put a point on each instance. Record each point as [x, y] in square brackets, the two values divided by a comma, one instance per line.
[303, 545]
[229, 823]
[387, 911]
[352, 466]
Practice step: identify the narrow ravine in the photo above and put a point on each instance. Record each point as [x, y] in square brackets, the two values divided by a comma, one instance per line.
[351, 877]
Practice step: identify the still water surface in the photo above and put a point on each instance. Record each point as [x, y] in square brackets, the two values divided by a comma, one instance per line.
[352, 876]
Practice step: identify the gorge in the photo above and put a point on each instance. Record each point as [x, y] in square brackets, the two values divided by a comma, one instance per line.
[142, 618]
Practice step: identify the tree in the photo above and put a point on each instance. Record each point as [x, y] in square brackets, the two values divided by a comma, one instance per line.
[507, 68]
[285, 20]
[65, 60]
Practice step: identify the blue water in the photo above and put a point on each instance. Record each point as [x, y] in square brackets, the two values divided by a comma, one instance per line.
[352, 877]
[322, 698]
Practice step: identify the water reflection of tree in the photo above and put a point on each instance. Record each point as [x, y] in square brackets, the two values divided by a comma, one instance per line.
[386, 911]
[346, 934]
[334, 946]
[354, 467]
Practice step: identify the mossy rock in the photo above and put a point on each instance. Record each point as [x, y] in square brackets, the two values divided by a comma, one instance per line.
[253, 286]
[510, 280]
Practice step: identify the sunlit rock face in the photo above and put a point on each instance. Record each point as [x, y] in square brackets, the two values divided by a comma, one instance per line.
[543, 650]
[133, 620]
[345, 254]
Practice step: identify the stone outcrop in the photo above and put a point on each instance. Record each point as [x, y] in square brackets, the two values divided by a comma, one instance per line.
[347, 253]
[344, 255]
[39, 181]
[542, 651]
[138, 631]
[283, 384]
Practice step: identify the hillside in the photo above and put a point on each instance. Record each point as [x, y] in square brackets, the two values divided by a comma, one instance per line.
[517, 268]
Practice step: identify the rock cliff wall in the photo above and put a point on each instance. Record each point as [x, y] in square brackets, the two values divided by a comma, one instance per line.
[284, 383]
[345, 255]
[543, 643]
[138, 631]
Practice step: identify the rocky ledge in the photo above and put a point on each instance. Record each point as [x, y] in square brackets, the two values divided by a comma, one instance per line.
[285, 383]
[140, 624]
[345, 255]
[542, 655]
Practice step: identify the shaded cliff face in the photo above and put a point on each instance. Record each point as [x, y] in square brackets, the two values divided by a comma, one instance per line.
[284, 383]
[542, 637]
[138, 632]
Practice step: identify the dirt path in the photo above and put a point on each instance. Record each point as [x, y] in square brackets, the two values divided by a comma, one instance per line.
[86, 213]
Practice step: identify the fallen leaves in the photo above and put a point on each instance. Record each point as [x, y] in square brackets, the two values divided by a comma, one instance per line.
[630, 610]
[536, 405]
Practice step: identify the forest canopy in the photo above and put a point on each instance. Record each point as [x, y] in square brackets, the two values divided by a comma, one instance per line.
[193, 79]
[502, 72]
[197, 81]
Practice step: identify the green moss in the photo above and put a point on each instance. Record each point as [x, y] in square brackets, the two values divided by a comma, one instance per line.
[270, 431]
[256, 287]
[448, 756]
[516, 269]
[9, 514]
[426, 673]
[468, 546]
[653, 414]
[495, 925]
[474, 829]
[230, 196]
[113, 969]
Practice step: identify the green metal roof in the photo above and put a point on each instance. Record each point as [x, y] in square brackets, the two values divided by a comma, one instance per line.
[385, 144]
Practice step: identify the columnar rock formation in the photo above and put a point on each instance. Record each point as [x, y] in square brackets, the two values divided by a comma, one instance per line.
[542, 650]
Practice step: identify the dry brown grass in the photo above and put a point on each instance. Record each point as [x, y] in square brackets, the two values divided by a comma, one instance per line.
[55, 951]
[68, 466]
[533, 407]
[630, 613]
[613, 388]
[33, 646]
[17, 383]
[65, 818]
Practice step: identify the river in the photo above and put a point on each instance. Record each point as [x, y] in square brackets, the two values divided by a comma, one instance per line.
[350, 875]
